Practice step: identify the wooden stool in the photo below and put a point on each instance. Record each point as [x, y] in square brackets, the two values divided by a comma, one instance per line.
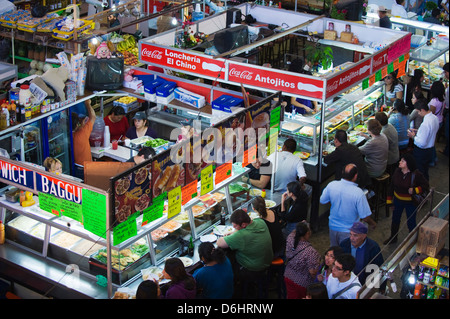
[381, 185]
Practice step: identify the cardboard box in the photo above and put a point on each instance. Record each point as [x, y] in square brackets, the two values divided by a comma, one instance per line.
[347, 37]
[432, 236]
[330, 35]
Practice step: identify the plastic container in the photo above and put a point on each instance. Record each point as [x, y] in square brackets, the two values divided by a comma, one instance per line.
[97, 135]
[197, 14]
[106, 137]
[25, 95]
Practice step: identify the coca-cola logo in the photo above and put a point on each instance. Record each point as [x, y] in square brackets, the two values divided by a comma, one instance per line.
[247, 75]
[155, 54]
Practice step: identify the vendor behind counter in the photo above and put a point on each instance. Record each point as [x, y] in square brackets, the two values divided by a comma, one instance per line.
[117, 122]
[141, 127]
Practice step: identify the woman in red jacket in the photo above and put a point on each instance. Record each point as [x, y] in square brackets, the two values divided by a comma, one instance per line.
[406, 181]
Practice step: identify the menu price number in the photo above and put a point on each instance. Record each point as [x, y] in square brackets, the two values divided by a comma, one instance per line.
[206, 180]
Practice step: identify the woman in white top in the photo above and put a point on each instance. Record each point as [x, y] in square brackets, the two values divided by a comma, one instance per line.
[398, 9]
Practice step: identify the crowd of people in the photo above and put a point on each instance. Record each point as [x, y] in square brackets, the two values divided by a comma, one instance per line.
[396, 144]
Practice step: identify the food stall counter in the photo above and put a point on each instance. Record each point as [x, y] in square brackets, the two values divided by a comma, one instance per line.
[121, 154]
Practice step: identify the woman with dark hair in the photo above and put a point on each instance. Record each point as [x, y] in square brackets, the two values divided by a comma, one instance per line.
[215, 279]
[436, 106]
[415, 118]
[294, 206]
[327, 265]
[400, 120]
[316, 291]
[141, 127]
[273, 223]
[393, 88]
[182, 285]
[406, 181]
[117, 122]
[414, 85]
[148, 289]
[302, 262]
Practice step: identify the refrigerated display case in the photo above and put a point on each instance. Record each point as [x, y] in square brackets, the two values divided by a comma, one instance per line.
[33, 148]
[56, 136]
[430, 59]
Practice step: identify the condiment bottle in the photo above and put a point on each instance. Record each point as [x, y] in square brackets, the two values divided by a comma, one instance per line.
[263, 193]
[22, 197]
[2, 233]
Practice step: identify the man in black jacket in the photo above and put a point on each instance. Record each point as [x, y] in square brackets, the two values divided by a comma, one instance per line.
[346, 154]
[385, 22]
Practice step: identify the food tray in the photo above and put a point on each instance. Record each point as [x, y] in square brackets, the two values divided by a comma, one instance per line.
[68, 35]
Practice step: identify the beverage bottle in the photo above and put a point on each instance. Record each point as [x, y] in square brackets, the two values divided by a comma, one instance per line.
[421, 273]
[423, 293]
[426, 276]
[433, 276]
[191, 247]
[222, 217]
[430, 294]
[2, 233]
[197, 14]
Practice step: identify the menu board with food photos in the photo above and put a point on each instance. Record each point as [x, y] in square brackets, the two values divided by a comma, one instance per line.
[167, 174]
[132, 191]
[194, 166]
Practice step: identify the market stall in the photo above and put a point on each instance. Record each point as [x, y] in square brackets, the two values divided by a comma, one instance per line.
[418, 268]
[390, 51]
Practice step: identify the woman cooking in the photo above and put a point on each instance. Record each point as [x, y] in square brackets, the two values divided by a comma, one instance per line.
[141, 127]
[117, 122]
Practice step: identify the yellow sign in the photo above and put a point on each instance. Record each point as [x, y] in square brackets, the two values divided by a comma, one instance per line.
[174, 202]
[273, 141]
[206, 180]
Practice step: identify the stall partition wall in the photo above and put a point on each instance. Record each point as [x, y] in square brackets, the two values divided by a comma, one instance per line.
[91, 224]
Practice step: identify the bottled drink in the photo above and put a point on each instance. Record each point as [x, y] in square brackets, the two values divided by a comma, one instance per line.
[417, 290]
[426, 276]
[191, 247]
[433, 276]
[421, 273]
[430, 294]
[423, 293]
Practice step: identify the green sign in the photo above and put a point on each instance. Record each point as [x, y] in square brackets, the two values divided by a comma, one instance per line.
[71, 210]
[390, 67]
[275, 115]
[49, 203]
[125, 230]
[153, 212]
[378, 76]
[94, 212]
[365, 83]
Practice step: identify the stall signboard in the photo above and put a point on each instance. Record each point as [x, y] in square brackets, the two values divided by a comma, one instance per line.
[379, 61]
[343, 80]
[182, 60]
[274, 79]
[48, 184]
[399, 48]
[17, 174]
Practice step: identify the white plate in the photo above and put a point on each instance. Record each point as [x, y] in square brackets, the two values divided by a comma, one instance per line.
[208, 238]
[186, 261]
[255, 192]
[223, 230]
[253, 215]
[270, 203]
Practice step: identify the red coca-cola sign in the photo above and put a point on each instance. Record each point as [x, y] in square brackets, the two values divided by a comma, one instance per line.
[181, 60]
[278, 80]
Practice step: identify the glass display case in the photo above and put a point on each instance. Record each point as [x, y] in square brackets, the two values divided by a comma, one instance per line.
[431, 59]
[347, 112]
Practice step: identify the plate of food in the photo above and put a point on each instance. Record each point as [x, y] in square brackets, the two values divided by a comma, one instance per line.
[253, 215]
[208, 238]
[171, 226]
[255, 192]
[302, 155]
[223, 230]
[152, 273]
[186, 261]
[270, 203]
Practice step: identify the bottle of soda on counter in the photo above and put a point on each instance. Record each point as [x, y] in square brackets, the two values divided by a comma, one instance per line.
[423, 293]
[191, 247]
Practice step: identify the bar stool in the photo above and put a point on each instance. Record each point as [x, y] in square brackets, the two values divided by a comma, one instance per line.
[276, 270]
[254, 278]
[381, 184]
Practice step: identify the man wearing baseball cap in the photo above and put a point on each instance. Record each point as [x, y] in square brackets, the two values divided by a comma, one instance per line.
[365, 250]
[385, 22]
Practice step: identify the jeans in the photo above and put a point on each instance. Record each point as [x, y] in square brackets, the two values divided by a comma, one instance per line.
[336, 237]
[423, 158]
[399, 206]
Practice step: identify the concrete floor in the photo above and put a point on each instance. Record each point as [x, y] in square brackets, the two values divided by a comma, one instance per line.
[438, 179]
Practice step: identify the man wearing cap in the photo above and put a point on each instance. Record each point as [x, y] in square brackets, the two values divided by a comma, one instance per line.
[141, 127]
[348, 205]
[365, 250]
[385, 22]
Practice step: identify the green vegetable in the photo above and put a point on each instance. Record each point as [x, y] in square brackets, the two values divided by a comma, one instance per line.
[155, 142]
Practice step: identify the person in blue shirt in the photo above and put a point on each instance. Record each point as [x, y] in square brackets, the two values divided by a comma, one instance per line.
[217, 7]
[348, 205]
[215, 279]
[301, 106]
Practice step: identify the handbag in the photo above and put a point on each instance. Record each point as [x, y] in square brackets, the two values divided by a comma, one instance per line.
[417, 199]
